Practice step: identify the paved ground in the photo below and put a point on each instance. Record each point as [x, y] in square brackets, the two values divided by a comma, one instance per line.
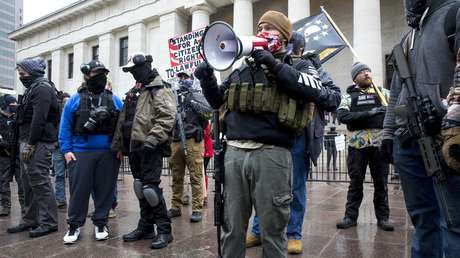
[321, 238]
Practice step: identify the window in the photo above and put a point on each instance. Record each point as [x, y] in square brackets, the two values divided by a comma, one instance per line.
[95, 52]
[70, 66]
[49, 64]
[123, 51]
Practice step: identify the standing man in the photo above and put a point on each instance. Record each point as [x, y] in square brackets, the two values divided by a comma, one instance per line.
[258, 164]
[143, 133]
[430, 52]
[188, 153]
[37, 119]
[59, 165]
[8, 108]
[307, 145]
[362, 111]
[87, 126]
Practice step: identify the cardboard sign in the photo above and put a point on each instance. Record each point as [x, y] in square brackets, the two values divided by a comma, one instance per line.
[340, 142]
[184, 52]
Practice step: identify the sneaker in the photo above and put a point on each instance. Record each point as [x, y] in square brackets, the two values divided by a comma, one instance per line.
[112, 214]
[294, 246]
[101, 233]
[252, 240]
[346, 223]
[71, 236]
[385, 225]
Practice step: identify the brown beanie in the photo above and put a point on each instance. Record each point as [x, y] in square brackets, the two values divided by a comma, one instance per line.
[279, 21]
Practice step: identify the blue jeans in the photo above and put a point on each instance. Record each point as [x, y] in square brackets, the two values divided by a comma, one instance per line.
[301, 166]
[431, 237]
[59, 170]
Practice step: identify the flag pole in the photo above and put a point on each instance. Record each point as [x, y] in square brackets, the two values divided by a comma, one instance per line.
[379, 93]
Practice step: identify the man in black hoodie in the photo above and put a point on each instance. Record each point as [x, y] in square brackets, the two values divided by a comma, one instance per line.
[37, 119]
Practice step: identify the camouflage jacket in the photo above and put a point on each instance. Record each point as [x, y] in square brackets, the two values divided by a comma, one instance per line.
[154, 117]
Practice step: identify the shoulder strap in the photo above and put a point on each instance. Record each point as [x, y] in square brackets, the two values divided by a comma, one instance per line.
[450, 24]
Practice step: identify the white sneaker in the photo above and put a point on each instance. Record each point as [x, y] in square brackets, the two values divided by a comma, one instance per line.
[101, 233]
[71, 236]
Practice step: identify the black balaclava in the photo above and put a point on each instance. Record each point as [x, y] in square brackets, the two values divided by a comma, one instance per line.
[28, 80]
[96, 84]
[416, 8]
[144, 73]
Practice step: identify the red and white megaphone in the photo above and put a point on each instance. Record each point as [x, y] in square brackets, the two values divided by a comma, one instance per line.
[221, 47]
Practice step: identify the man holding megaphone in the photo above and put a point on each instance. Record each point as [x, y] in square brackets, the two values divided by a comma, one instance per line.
[265, 103]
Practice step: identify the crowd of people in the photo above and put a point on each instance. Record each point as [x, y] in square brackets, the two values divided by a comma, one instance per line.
[272, 110]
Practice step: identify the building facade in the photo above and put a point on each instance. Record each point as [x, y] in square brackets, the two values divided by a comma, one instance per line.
[110, 30]
[10, 19]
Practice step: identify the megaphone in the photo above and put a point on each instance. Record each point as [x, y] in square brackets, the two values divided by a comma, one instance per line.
[221, 47]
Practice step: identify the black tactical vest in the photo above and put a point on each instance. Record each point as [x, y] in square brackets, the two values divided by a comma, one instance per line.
[130, 104]
[88, 103]
[361, 102]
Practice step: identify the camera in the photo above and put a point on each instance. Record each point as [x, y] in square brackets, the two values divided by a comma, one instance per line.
[97, 116]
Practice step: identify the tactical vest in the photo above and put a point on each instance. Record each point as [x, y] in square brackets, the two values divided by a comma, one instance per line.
[255, 90]
[84, 112]
[130, 104]
[361, 102]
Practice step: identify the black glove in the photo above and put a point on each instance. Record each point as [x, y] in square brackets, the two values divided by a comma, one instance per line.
[266, 58]
[386, 150]
[377, 111]
[203, 71]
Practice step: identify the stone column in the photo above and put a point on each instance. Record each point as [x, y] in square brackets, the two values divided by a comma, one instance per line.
[200, 15]
[107, 57]
[171, 24]
[242, 17]
[367, 40]
[298, 9]
[79, 54]
[60, 68]
[136, 38]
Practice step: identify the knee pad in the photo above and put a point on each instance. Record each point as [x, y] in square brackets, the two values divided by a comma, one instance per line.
[152, 194]
[138, 189]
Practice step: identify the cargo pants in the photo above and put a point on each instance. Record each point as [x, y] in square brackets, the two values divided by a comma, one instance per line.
[259, 178]
[194, 163]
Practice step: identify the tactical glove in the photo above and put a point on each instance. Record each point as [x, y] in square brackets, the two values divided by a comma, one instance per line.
[266, 58]
[28, 152]
[203, 71]
[386, 149]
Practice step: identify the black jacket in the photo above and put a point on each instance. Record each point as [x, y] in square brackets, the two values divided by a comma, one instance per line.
[38, 113]
[264, 127]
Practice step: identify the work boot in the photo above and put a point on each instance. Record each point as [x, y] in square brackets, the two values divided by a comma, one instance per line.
[385, 225]
[196, 217]
[20, 228]
[172, 213]
[162, 240]
[4, 212]
[138, 234]
[252, 240]
[42, 231]
[294, 246]
[346, 223]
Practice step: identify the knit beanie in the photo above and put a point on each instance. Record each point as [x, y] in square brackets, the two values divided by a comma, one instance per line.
[279, 21]
[33, 66]
[357, 67]
[7, 100]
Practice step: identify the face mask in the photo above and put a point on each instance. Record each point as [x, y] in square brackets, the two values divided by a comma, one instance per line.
[142, 74]
[274, 42]
[414, 11]
[96, 84]
[27, 80]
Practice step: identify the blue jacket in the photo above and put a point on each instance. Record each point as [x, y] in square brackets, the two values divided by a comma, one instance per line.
[74, 143]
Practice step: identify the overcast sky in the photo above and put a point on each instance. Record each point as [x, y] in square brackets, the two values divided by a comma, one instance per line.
[34, 9]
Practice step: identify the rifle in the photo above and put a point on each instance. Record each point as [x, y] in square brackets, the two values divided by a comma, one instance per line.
[219, 176]
[423, 125]
[14, 146]
[179, 117]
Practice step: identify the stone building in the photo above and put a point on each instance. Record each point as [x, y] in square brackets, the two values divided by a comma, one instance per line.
[111, 30]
